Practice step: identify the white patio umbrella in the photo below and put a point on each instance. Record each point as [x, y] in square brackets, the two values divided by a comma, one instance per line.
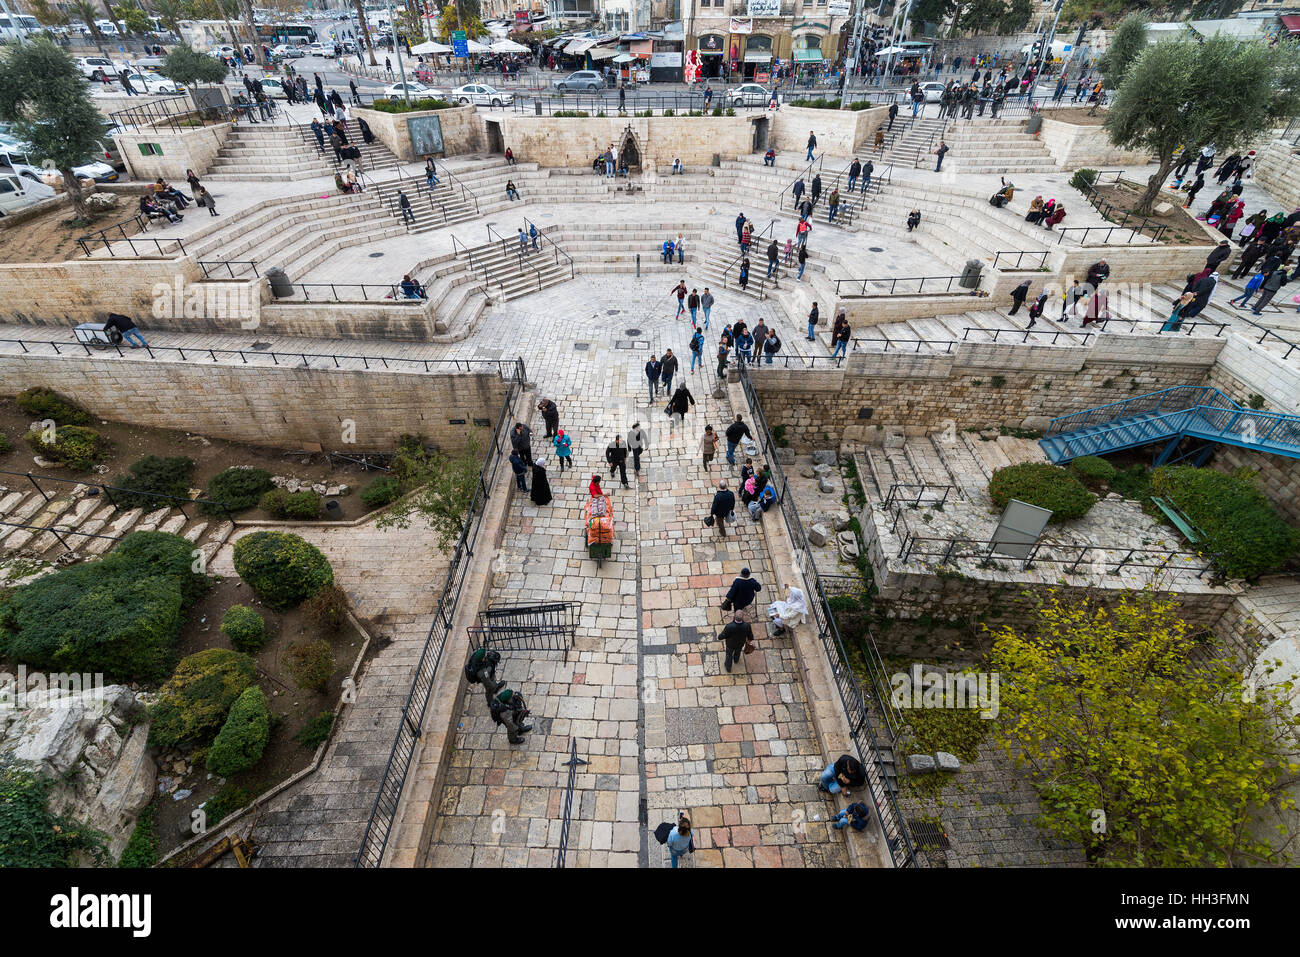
[508, 46]
[430, 46]
[476, 47]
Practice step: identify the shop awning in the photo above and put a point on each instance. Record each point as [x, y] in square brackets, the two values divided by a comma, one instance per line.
[602, 53]
[758, 57]
[807, 56]
[581, 45]
[1291, 24]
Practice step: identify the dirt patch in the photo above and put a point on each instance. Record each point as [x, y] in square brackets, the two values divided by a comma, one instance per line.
[291, 707]
[129, 443]
[52, 236]
[1183, 229]
[1078, 115]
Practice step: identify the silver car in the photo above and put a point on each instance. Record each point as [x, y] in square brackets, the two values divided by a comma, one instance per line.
[584, 81]
[748, 94]
[480, 94]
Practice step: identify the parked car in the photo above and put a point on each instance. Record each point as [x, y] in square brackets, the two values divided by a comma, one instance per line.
[414, 89]
[319, 49]
[480, 94]
[16, 158]
[748, 94]
[152, 83]
[272, 86]
[19, 192]
[932, 92]
[584, 81]
[96, 67]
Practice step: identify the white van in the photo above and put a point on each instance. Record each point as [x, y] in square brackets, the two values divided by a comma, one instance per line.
[18, 192]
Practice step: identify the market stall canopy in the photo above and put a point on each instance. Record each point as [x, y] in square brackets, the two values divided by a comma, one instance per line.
[624, 58]
[602, 53]
[476, 47]
[430, 46]
[508, 46]
[581, 45]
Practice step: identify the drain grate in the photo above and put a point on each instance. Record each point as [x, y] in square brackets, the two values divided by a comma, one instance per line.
[631, 344]
[929, 836]
[581, 346]
[630, 333]
[376, 255]
[877, 249]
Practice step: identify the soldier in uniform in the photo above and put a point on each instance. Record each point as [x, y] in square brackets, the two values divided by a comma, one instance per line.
[509, 708]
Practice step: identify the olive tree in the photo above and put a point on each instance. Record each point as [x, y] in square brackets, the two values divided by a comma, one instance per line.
[1186, 92]
[48, 102]
[1128, 42]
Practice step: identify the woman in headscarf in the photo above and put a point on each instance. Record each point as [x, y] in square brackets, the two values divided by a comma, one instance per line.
[1271, 227]
[1229, 221]
[784, 612]
[541, 493]
[366, 133]
[1035, 211]
[1058, 214]
[1251, 226]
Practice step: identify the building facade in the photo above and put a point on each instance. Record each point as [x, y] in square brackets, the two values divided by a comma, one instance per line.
[747, 38]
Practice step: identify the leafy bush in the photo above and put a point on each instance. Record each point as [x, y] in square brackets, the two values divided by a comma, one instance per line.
[570, 113]
[1092, 469]
[194, 702]
[731, 111]
[238, 488]
[224, 803]
[76, 446]
[1083, 179]
[642, 113]
[242, 739]
[48, 404]
[381, 492]
[154, 475]
[1044, 485]
[316, 731]
[717, 111]
[670, 112]
[1133, 483]
[30, 835]
[5, 444]
[304, 505]
[311, 663]
[1243, 533]
[820, 103]
[281, 568]
[244, 628]
[142, 849]
[143, 554]
[399, 106]
[327, 609]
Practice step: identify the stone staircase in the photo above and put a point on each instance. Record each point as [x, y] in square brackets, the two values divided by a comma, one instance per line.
[503, 271]
[375, 157]
[995, 146]
[267, 153]
[86, 511]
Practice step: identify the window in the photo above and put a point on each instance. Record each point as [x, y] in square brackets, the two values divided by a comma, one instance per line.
[151, 149]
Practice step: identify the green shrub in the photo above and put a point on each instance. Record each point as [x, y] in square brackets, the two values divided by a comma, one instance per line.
[1243, 533]
[399, 106]
[242, 739]
[381, 491]
[48, 404]
[142, 849]
[670, 112]
[193, 704]
[154, 475]
[327, 609]
[32, 836]
[142, 554]
[640, 113]
[225, 802]
[304, 505]
[311, 663]
[1044, 485]
[316, 731]
[244, 628]
[1083, 179]
[5, 444]
[570, 113]
[238, 488]
[717, 111]
[76, 446]
[1092, 469]
[731, 111]
[281, 568]
[1133, 483]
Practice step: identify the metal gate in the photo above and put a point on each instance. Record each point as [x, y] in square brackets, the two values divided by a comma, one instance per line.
[546, 627]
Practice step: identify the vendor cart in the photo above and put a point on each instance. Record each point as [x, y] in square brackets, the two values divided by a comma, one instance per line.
[598, 515]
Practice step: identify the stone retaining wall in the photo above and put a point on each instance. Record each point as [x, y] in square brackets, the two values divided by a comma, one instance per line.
[193, 149]
[840, 132]
[572, 142]
[1079, 146]
[279, 406]
[1278, 171]
[920, 393]
[462, 130]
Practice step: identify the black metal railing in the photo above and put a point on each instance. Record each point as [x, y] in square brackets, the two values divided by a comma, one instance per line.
[1015, 259]
[127, 496]
[301, 360]
[117, 233]
[557, 251]
[348, 292]
[914, 496]
[179, 114]
[1121, 218]
[804, 174]
[551, 626]
[761, 282]
[380, 823]
[883, 791]
[566, 820]
[58, 533]
[228, 268]
[844, 288]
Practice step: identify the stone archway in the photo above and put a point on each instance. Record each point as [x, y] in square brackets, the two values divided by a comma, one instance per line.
[630, 152]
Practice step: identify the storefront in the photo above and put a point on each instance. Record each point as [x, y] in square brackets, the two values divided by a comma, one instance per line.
[758, 55]
[711, 49]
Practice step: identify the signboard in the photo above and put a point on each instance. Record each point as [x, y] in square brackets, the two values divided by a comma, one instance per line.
[838, 8]
[426, 134]
[761, 76]
[459, 43]
[665, 60]
[740, 26]
[763, 8]
[1019, 529]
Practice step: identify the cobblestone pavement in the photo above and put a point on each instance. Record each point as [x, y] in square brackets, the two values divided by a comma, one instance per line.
[643, 691]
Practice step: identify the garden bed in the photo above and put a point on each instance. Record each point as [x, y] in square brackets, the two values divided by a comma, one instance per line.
[1183, 228]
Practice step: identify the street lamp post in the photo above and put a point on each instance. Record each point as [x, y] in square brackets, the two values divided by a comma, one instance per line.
[855, 51]
[401, 68]
[1046, 48]
[889, 61]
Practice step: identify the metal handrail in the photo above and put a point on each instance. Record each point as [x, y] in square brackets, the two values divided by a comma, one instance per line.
[379, 825]
[554, 245]
[804, 173]
[181, 502]
[1020, 258]
[140, 220]
[566, 820]
[465, 192]
[302, 358]
[852, 699]
[956, 546]
[1195, 395]
[893, 283]
[214, 265]
[895, 497]
[726, 270]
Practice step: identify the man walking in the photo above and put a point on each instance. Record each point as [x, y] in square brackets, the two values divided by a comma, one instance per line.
[940, 152]
[678, 406]
[127, 327]
[735, 432]
[724, 504]
[550, 415]
[812, 144]
[680, 292]
[742, 592]
[667, 369]
[893, 114]
[736, 636]
[855, 170]
[842, 341]
[405, 204]
[652, 369]
[520, 468]
[706, 303]
[773, 251]
[616, 456]
[637, 441]
[521, 440]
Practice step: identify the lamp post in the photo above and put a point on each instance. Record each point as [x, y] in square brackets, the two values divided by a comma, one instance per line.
[889, 61]
[1046, 48]
[401, 68]
[855, 49]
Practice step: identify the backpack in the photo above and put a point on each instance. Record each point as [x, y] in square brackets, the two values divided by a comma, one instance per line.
[773, 345]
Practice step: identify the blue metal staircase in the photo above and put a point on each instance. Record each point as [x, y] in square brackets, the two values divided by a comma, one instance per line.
[1169, 416]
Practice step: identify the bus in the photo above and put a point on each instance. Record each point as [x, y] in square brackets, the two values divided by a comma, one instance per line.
[276, 33]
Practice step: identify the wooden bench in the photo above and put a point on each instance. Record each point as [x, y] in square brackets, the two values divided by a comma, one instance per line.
[1181, 521]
